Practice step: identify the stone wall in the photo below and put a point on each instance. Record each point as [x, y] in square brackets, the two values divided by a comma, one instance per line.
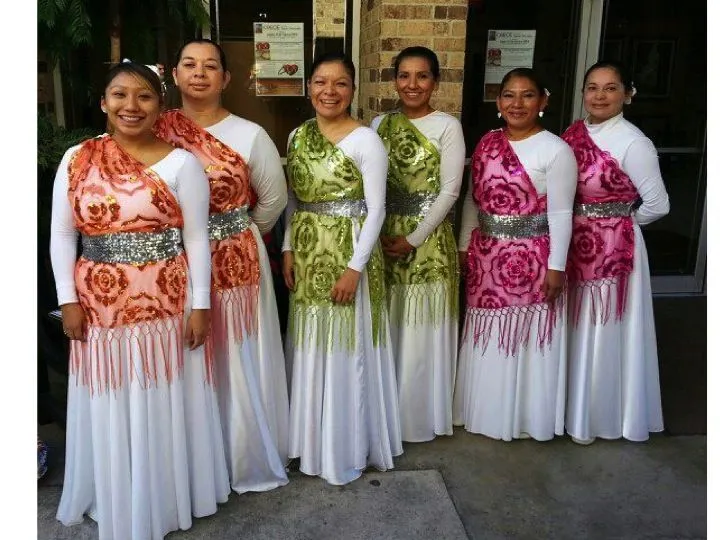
[387, 27]
[329, 16]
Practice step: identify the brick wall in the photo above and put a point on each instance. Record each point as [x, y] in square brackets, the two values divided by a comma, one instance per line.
[329, 16]
[387, 27]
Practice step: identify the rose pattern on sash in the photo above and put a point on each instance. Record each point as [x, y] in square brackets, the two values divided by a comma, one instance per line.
[505, 276]
[323, 245]
[431, 270]
[600, 258]
[111, 192]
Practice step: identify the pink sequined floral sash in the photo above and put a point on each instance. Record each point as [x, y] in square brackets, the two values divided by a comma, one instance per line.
[507, 260]
[600, 258]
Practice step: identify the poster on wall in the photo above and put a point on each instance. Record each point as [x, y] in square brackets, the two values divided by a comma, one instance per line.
[279, 59]
[506, 50]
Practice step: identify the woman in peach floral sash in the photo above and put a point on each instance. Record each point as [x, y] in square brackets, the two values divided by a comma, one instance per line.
[144, 445]
[247, 195]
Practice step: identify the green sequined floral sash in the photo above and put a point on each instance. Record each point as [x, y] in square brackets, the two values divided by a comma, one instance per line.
[319, 172]
[426, 282]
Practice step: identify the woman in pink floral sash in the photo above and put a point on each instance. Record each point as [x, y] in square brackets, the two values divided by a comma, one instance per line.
[515, 232]
[613, 380]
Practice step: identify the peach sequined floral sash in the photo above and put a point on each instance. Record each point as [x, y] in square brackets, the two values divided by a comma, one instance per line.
[235, 260]
[111, 192]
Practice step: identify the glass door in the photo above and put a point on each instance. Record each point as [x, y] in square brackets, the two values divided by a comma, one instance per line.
[662, 43]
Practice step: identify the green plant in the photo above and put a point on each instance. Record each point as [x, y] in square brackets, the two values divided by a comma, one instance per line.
[53, 141]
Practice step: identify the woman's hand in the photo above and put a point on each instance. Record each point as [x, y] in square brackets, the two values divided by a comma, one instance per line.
[397, 247]
[73, 321]
[197, 328]
[288, 270]
[554, 283]
[343, 292]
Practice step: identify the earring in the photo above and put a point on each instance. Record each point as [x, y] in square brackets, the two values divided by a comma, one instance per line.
[499, 114]
[541, 114]
[103, 109]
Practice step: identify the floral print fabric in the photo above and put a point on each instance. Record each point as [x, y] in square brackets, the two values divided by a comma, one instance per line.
[432, 268]
[505, 276]
[600, 258]
[322, 244]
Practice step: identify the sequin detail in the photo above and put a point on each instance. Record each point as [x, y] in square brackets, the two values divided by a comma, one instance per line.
[134, 310]
[338, 208]
[600, 256]
[226, 224]
[508, 254]
[424, 285]
[324, 228]
[132, 248]
[604, 209]
[417, 203]
[510, 227]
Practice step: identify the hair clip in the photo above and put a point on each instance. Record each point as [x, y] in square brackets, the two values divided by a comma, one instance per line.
[547, 92]
[127, 61]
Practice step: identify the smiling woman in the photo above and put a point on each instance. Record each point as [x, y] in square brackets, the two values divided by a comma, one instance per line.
[343, 409]
[516, 227]
[135, 307]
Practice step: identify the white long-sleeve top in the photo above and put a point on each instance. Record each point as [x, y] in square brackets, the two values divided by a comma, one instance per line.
[638, 157]
[551, 166]
[445, 133]
[366, 149]
[185, 176]
[267, 177]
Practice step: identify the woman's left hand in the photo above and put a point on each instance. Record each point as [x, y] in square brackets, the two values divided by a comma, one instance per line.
[343, 292]
[197, 328]
[554, 283]
[398, 247]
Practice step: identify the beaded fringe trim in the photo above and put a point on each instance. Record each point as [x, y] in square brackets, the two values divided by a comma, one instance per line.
[511, 326]
[599, 293]
[332, 326]
[148, 354]
[423, 303]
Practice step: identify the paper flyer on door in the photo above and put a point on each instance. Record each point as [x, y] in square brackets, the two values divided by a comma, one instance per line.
[506, 50]
[279, 59]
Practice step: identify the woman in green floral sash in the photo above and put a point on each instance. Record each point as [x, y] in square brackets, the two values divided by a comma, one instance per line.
[426, 153]
[343, 406]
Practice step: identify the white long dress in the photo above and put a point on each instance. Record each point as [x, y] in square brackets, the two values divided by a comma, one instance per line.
[344, 407]
[613, 377]
[254, 399]
[504, 396]
[426, 352]
[142, 461]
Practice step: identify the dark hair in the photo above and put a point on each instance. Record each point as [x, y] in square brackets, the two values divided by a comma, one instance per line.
[221, 53]
[525, 73]
[617, 67]
[138, 70]
[334, 57]
[418, 52]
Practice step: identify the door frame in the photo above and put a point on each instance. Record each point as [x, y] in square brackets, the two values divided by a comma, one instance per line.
[592, 18]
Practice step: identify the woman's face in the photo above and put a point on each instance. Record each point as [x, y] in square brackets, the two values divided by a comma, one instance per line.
[199, 74]
[331, 90]
[415, 83]
[604, 94]
[132, 106]
[520, 102]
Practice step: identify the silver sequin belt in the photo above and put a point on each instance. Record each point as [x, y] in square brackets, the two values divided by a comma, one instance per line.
[226, 224]
[410, 204]
[133, 247]
[604, 210]
[341, 208]
[513, 226]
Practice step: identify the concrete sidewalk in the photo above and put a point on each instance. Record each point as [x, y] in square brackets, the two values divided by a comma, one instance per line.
[464, 486]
